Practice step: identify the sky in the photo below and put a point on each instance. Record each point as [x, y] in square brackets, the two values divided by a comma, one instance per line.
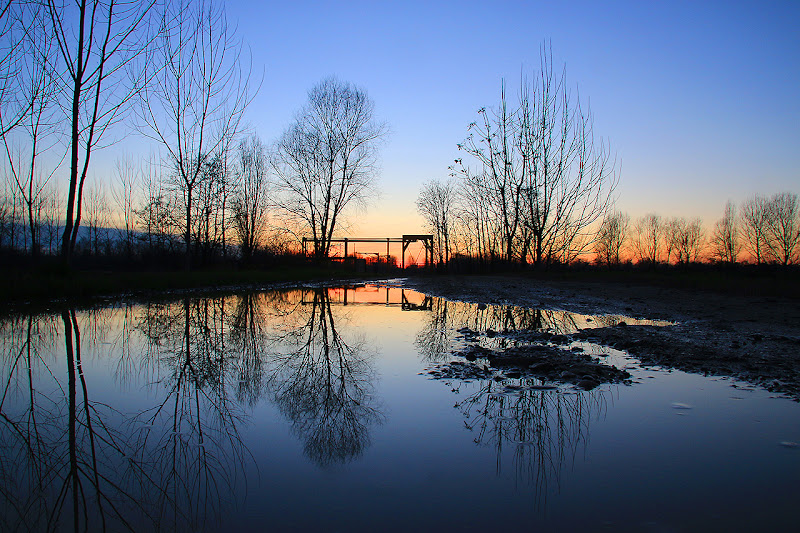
[698, 100]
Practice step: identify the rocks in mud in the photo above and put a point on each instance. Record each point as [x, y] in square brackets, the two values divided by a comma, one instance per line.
[459, 370]
[546, 363]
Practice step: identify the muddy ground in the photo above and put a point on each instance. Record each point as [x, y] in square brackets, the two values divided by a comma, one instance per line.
[755, 339]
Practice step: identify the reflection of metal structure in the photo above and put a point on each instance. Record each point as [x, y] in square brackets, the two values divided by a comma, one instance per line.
[350, 296]
[405, 240]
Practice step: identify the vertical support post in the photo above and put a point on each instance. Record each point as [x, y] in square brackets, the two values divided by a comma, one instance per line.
[387, 251]
[345, 249]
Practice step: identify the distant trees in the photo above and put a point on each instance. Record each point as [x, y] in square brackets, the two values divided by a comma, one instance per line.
[541, 174]
[250, 201]
[725, 239]
[436, 204]
[771, 228]
[783, 228]
[754, 215]
[325, 162]
[611, 238]
[648, 235]
[195, 104]
[686, 239]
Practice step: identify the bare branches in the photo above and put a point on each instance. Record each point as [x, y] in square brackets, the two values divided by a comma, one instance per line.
[545, 176]
[725, 242]
[100, 44]
[195, 105]
[250, 202]
[783, 228]
[436, 204]
[326, 161]
[611, 238]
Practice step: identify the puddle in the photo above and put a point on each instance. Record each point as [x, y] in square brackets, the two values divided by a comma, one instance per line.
[231, 411]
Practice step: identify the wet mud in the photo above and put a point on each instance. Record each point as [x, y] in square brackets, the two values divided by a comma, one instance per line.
[754, 339]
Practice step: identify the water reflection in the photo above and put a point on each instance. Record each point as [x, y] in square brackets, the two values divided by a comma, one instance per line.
[163, 447]
[66, 464]
[543, 430]
[540, 428]
[324, 383]
[190, 438]
[441, 331]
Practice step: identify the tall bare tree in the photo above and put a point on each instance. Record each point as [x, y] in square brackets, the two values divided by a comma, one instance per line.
[196, 103]
[611, 237]
[783, 228]
[647, 236]
[436, 204]
[687, 239]
[102, 45]
[250, 201]
[754, 215]
[37, 132]
[725, 242]
[549, 179]
[123, 195]
[493, 143]
[326, 161]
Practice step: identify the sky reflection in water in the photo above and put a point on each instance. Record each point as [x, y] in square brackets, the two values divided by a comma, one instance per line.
[310, 409]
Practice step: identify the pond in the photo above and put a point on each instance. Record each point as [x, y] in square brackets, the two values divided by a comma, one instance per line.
[353, 409]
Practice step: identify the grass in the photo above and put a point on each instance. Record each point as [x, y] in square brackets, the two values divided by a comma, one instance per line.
[743, 281]
[39, 285]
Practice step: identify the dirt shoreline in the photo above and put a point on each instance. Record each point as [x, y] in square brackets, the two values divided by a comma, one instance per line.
[755, 339]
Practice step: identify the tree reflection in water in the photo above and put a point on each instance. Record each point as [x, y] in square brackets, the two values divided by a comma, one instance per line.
[175, 459]
[541, 429]
[324, 384]
[545, 429]
[439, 334]
[203, 357]
[61, 468]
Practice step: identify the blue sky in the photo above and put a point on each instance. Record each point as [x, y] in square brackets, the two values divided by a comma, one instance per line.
[699, 100]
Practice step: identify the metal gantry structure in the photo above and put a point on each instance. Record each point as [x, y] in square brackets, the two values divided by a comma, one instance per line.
[405, 241]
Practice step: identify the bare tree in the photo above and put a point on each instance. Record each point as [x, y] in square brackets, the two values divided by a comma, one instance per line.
[97, 220]
[725, 244]
[196, 103]
[123, 195]
[19, 25]
[754, 214]
[100, 43]
[493, 143]
[687, 238]
[647, 235]
[548, 179]
[326, 161]
[436, 205]
[36, 132]
[783, 228]
[250, 202]
[611, 237]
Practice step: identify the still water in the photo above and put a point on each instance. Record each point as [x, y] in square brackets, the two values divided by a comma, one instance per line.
[314, 409]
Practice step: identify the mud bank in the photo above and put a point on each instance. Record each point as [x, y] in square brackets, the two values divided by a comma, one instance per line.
[755, 339]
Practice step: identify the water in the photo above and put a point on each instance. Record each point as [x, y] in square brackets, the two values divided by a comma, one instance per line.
[313, 410]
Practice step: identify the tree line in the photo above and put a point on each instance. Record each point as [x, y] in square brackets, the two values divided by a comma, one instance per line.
[77, 77]
[533, 180]
[535, 187]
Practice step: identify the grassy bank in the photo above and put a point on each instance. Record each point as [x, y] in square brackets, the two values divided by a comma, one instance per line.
[746, 281]
[28, 286]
